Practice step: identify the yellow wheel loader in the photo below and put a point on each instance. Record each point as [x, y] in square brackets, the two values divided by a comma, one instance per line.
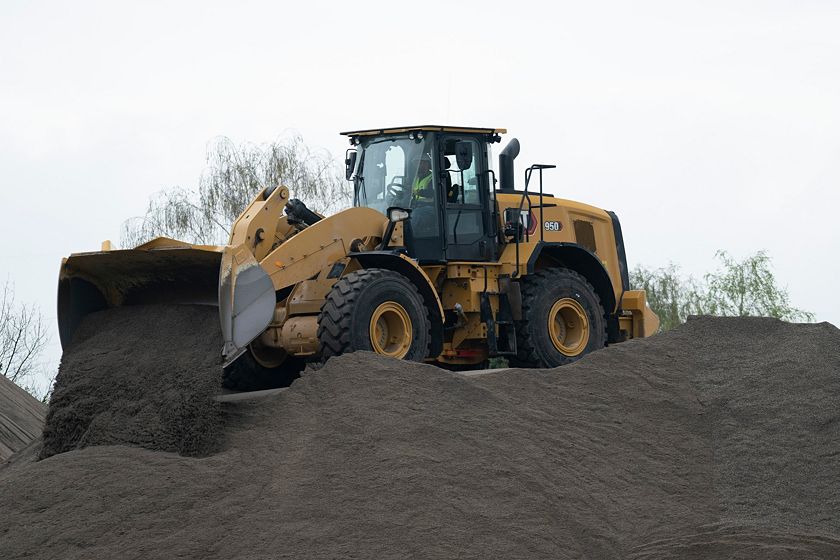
[439, 260]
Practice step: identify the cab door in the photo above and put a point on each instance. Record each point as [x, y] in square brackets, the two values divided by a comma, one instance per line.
[465, 193]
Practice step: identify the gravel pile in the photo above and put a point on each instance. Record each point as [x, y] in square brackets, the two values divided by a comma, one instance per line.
[717, 440]
[139, 375]
[21, 418]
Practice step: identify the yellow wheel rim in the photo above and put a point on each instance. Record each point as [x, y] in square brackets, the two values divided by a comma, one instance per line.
[390, 330]
[568, 326]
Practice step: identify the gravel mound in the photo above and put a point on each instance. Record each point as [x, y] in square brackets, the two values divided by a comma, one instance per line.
[770, 393]
[739, 543]
[717, 440]
[139, 375]
[21, 418]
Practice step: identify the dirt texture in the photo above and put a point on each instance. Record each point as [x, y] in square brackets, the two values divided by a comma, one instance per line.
[21, 418]
[139, 375]
[717, 440]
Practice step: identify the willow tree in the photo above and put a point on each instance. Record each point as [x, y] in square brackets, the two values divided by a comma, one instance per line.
[233, 176]
[748, 288]
[737, 288]
[670, 295]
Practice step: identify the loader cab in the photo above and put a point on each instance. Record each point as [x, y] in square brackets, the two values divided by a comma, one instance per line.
[441, 175]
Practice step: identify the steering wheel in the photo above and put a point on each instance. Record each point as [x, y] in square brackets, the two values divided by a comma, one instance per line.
[394, 189]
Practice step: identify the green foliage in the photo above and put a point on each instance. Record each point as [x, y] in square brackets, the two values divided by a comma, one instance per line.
[497, 362]
[748, 288]
[736, 288]
[233, 177]
[670, 296]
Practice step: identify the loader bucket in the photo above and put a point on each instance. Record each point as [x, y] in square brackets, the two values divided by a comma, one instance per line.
[161, 271]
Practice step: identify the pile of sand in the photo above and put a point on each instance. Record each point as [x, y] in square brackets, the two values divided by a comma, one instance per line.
[718, 440]
[139, 375]
[21, 418]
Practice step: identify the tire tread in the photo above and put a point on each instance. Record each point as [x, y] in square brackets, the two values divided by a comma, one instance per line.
[335, 320]
[534, 287]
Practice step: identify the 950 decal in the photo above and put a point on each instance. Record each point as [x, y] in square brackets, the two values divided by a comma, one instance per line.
[552, 226]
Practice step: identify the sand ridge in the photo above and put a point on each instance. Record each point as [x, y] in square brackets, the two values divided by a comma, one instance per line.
[710, 441]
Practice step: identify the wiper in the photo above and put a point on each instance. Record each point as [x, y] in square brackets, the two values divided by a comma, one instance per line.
[360, 180]
[360, 188]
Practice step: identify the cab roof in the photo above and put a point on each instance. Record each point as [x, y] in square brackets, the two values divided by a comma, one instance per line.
[425, 127]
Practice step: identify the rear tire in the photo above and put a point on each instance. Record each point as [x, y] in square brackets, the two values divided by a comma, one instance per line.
[375, 310]
[246, 374]
[564, 319]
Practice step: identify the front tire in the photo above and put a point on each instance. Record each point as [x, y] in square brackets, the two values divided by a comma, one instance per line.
[563, 319]
[248, 374]
[376, 310]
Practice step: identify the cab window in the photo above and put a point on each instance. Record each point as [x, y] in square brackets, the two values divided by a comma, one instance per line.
[461, 184]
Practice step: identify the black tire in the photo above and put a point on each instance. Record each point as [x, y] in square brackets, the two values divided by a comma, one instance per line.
[246, 374]
[540, 292]
[344, 322]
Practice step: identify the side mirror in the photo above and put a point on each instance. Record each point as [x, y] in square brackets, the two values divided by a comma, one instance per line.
[463, 155]
[349, 163]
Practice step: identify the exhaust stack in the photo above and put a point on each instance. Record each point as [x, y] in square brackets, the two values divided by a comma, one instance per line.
[506, 158]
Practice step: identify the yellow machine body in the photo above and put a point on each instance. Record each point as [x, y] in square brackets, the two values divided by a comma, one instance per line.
[272, 279]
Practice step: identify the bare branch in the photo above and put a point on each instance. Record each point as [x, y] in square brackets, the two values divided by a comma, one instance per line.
[23, 337]
[233, 177]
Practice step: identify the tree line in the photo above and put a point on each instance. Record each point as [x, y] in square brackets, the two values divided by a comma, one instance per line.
[737, 288]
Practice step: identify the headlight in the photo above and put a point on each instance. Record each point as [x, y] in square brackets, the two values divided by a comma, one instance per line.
[398, 214]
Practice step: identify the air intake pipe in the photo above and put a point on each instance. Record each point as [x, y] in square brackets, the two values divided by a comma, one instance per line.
[506, 165]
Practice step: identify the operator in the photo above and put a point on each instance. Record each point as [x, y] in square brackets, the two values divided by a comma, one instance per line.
[422, 189]
[424, 216]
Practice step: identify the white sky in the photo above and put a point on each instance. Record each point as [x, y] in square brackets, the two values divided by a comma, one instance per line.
[704, 125]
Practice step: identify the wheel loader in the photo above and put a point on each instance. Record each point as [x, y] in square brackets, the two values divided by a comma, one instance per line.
[441, 259]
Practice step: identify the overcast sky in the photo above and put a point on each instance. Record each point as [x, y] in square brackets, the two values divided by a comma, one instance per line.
[704, 125]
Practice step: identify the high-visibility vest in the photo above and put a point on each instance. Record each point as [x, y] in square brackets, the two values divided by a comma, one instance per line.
[421, 184]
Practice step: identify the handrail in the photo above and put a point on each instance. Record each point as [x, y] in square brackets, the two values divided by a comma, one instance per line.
[525, 195]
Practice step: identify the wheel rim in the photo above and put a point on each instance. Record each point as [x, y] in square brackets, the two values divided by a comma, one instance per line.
[568, 326]
[390, 330]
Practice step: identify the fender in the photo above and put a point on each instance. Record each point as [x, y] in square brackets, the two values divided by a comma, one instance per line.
[398, 262]
[583, 261]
